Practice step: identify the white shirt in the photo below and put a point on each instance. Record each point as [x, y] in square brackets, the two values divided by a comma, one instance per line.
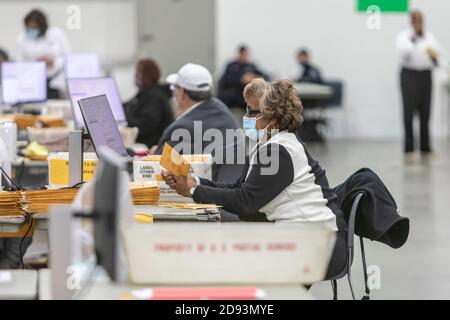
[415, 55]
[55, 44]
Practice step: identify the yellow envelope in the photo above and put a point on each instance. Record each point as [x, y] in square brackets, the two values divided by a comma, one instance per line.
[173, 162]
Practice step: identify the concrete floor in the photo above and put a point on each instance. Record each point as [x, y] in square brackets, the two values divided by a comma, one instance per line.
[421, 268]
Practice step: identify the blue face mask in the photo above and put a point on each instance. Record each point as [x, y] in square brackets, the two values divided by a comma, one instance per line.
[32, 33]
[249, 125]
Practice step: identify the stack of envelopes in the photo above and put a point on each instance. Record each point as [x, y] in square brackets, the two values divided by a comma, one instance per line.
[11, 203]
[145, 193]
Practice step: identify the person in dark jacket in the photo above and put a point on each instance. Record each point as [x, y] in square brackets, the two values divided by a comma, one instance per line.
[201, 113]
[309, 73]
[150, 109]
[237, 75]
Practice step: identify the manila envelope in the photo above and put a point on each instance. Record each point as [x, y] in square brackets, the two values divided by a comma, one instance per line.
[173, 162]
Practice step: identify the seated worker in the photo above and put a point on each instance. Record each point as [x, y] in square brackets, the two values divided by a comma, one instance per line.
[282, 183]
[150, 109]
[192, 91]
[237, 75]
[309, 73]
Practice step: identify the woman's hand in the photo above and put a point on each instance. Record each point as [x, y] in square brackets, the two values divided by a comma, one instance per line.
[181, 184]
[169, 179]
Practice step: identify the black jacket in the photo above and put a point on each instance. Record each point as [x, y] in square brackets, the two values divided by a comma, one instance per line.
[150, 112]
[310, 74]
[377, 217]
[230, 85]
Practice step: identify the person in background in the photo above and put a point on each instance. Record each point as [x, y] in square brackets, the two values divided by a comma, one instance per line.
[282, 183]
[419, 54]
[192, 91]
[237, 75]
[39, 42]
[3, 56]
[309, 73]
[150, 109]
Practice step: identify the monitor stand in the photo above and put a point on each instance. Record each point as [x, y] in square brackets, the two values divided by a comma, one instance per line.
[76, 149]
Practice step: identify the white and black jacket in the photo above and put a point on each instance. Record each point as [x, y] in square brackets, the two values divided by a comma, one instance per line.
[297, 191]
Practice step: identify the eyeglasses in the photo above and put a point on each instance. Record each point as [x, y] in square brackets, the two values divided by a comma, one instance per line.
[251, 113]
[173, 87]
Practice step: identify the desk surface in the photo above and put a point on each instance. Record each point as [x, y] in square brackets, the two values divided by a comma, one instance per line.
[106, 290]
[12, 224]
[313, 91]
[23, 285]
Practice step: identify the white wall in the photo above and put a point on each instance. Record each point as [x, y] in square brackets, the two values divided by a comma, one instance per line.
[341, 45]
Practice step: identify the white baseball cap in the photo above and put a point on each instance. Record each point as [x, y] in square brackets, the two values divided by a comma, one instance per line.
[192, 77]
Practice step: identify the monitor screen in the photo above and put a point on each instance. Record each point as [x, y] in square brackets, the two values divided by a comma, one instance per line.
[23, 82]
[82, 65]
[100, 124]
[106, 210]
[80, 88]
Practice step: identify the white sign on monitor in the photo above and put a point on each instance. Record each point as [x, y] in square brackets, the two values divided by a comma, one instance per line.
[80, 88]
[23, 82]
[100, 123]
[82, 65]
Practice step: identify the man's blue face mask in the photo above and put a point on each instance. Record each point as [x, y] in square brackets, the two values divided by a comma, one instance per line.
[32, 33]
[249, 125]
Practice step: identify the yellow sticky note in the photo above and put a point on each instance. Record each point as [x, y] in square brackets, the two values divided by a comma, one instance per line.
[173, 162]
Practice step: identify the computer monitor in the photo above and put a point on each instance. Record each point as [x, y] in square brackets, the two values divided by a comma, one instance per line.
[100, 124]
[23, 82]
[80, 88]
[106, 210]
[82, 65]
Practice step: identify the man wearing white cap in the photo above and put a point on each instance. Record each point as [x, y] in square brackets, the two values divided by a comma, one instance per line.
[192, 91]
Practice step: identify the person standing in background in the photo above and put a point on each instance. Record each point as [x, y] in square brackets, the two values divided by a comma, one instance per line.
[419, 53]
[237, 75]
[309, 73]
[150, 109]
[39, 42]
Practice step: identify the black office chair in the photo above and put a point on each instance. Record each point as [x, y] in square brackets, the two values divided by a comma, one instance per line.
[335, 101]
[347, 270]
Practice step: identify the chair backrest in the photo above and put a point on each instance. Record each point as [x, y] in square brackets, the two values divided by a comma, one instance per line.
[335, 100]
[351, 218]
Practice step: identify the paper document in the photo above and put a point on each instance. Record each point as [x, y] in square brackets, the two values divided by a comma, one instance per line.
[173, 162]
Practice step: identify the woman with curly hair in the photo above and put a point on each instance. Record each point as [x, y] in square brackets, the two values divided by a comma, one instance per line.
[282, 183]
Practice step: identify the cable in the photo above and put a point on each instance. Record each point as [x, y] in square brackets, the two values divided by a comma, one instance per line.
[21, 243]
[74, 186]
[11, 180]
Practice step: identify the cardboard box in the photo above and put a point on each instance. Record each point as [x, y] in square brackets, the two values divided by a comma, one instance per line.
[58, 168]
